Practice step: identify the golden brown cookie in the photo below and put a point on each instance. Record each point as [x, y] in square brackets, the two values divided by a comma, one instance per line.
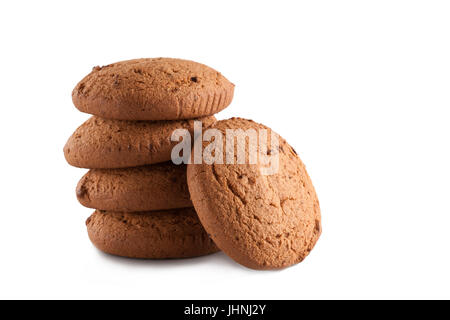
[153, 89]
[261, 221]
[102, 143]
[150, 235]
[159, 186]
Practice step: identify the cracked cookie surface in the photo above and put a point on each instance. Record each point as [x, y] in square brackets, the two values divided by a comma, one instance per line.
[153, 89]
[261, 221]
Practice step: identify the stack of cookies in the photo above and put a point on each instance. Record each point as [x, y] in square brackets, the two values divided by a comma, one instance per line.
[142, 205]
[148, 207]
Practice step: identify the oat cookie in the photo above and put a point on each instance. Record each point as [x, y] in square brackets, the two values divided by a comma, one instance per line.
[155, 187]
[151, 235]
[102, 143]
[153, 89]
[261, 221]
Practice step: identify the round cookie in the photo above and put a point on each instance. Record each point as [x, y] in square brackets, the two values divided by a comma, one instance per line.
[153, 89]
[156, 187]
[150, 235]
[102, 143]
[261, 221]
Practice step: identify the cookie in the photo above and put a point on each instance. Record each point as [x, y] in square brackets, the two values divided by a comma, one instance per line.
[261, 221]
[102, 143]
[155, 187]
[151, 235]
[153, 89]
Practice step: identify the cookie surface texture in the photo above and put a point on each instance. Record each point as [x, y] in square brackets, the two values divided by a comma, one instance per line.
[155, 187]
[102, 143]
[151, 235]
[261, 221]
[153, 89]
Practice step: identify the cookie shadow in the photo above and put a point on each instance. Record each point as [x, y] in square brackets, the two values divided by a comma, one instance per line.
[215, 259]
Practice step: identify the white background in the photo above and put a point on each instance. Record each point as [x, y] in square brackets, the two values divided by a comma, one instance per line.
[361, 89]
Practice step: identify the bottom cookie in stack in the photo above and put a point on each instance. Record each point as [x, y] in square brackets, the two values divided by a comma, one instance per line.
[175, 233]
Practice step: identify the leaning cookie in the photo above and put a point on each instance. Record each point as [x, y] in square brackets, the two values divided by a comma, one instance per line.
[150, 235]
[102, 143]
[155, 187]
[153, 89]
[263, 219]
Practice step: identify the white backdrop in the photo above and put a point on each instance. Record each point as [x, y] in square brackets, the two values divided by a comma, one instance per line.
[359, 88]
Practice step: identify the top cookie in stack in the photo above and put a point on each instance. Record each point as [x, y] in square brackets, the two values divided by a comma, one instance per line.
[153, 89]
[135, 188]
